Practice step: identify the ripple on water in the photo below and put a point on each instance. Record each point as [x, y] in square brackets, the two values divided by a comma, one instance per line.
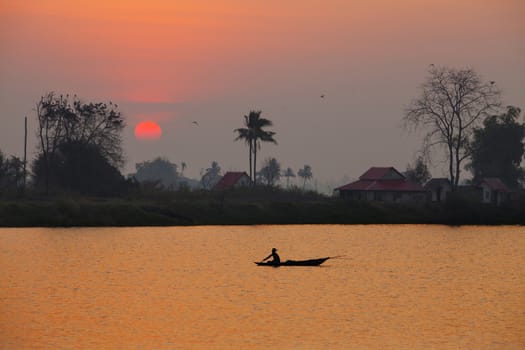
[396, 287]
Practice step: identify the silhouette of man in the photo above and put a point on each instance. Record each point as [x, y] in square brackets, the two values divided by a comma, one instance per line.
[276, 259]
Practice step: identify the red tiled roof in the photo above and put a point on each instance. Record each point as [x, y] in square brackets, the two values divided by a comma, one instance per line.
[382, 185]
[378, 179]
[495, 184]
[229, 180]
[377, 173]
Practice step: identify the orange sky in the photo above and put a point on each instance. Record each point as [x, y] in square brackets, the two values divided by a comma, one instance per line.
[238, 54]
[165, 50]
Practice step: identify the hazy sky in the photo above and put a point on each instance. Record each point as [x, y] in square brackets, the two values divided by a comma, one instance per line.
[212, 61]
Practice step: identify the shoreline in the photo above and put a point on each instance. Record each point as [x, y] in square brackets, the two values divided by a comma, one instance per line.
[190, 209]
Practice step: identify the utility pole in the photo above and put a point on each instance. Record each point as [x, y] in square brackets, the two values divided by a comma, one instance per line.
[25, 152]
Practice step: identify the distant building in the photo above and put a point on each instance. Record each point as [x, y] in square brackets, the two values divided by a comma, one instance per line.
[494, 191]
[383, 184]
[233, 179]
[438, 189]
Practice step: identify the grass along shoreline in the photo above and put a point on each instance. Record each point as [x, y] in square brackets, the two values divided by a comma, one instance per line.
[244, 207]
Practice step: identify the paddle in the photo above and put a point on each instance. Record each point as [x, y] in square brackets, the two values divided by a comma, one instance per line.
[340, 257]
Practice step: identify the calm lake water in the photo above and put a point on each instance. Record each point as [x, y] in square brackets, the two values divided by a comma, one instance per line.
[398, 287]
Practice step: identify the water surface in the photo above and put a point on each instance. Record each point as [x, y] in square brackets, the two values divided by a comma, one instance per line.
[398, 287]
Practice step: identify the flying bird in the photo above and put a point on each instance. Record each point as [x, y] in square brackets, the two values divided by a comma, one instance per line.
[322, 96]
[194, 122]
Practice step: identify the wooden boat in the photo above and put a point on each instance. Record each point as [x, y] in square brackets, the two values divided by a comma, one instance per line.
[310, 262]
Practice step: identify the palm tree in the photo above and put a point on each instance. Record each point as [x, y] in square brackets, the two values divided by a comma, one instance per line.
[271, 172]
[182, 167]
[306, 174]
[288, 173]
[253, 134]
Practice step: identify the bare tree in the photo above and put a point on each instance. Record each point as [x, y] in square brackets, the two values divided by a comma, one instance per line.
[63, 119]
[67, 120]
[453, 102]
[99, 124]
[51, 111]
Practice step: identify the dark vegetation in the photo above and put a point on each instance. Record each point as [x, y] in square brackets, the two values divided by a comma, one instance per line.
[498, 148]
[74, 178]
[262, 205]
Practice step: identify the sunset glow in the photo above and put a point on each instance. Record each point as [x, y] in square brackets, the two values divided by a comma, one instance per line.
[148, 130]
[153, 152]
[181, 61]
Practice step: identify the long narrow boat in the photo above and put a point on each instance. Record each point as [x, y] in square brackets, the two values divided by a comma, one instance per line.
[310, 262]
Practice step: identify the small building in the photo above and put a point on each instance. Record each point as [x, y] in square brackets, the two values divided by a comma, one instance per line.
[233, 179]
[438, 189]
[383, 184]
[494, 191]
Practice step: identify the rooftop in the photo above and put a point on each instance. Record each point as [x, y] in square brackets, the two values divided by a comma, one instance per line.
[229, 180]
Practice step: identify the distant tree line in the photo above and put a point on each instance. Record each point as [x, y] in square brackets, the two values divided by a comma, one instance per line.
[253, 133]
[159, 173]
[11, 172]
[79, 148]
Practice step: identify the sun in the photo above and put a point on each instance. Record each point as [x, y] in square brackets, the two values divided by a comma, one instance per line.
[148, 130]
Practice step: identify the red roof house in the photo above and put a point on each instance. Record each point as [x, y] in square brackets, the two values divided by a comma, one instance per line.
[382, 184]
[233, 179]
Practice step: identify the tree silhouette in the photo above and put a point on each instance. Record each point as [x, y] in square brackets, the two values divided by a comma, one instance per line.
[253, 134]
[159, 169]
[288, 173]
[453, 102]
[182, 168]
[65, 120]
[211, 176]
[418, 172]
[497, 149]
[271, 172]
[306, 174]
[80, 167]
[11, 172]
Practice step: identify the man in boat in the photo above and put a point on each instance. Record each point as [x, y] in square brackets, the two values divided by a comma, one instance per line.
[276, 259]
